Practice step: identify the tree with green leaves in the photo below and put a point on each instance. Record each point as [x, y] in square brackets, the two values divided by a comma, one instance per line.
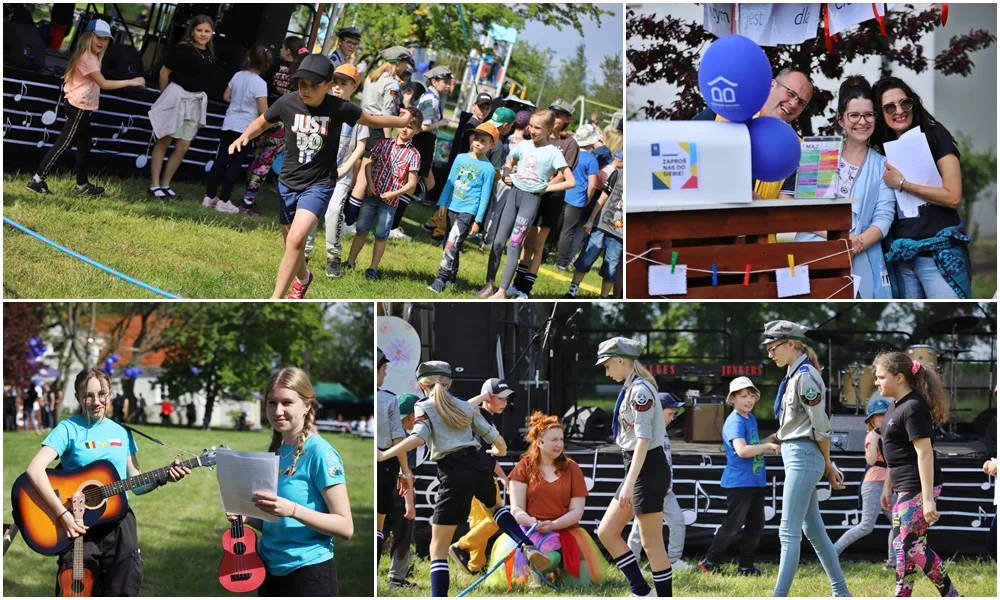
[232, 348]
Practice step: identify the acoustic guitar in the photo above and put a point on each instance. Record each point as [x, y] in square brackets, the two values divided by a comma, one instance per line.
[77, 581]
[241, 569]
[104, 499]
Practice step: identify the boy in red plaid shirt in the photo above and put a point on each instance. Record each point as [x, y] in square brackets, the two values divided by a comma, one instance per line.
[391, 173]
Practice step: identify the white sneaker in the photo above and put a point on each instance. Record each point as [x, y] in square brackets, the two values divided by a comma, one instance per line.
[206, 201]
[513, 292]
[351, 229]
[226, 207]
[397, 234]
[680, 565]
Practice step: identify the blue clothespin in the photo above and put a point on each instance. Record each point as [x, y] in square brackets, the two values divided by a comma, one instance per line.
[715, 275]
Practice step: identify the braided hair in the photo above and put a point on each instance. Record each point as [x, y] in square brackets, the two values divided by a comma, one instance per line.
[297, 381]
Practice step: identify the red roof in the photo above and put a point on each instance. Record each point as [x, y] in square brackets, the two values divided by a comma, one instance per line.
[105, 327]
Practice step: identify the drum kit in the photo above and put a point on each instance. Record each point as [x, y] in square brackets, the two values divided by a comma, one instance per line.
[857, 379]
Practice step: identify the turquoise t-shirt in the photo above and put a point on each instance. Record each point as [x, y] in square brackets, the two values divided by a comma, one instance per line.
[79, 443]
[469, 186]
[535, 166]
[287, 543]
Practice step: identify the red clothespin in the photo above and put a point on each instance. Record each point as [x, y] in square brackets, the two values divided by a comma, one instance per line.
[791, 264]
[746, 276]
[732, 18]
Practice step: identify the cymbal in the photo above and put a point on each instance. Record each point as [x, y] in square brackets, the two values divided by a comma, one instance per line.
[952, 324]
[827, 337]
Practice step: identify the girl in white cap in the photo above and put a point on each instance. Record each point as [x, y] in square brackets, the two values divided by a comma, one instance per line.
[639, 430]
[744, 480]
[82, 85]
[450, 427]
[804, 433]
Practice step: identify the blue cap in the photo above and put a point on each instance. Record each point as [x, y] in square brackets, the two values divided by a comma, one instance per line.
[877, 407]
[100, 27]
[668, 401]
[619, 155]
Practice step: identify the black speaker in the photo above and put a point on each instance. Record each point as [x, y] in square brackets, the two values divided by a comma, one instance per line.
[23, 46]
[588, 423]
[849, 432]
[246, 24]
[121, 61]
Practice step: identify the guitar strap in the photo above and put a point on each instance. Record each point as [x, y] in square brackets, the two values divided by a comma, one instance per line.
[153, 439]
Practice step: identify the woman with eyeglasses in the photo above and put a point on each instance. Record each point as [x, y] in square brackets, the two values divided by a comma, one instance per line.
[927, 250]
[804, 434]
[861, 171]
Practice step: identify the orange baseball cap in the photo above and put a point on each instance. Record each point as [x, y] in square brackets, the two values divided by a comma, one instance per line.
[350, 71]
[491, 129]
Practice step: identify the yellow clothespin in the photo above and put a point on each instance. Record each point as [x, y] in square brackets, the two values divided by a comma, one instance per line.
[791, 264]
[772, 238]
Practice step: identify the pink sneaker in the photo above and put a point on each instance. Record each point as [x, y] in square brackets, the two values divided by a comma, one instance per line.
[206, 201]
[298, 291]
[226, 207]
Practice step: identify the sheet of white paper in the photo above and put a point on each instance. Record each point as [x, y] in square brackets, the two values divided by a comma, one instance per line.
[912, 156]
[243, 473]
[755, 23]
[843, 16]
[794, 23]
[664, 283]
[793, 286]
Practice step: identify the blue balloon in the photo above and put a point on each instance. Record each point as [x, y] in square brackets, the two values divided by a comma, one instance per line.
[774, 149]
[108, 362]
[734, 78]
[194, 370]
[109, 369]
[423, 67]
[115, 358]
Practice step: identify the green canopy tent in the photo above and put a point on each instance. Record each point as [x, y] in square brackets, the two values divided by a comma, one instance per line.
[336, 399]
[335, 393]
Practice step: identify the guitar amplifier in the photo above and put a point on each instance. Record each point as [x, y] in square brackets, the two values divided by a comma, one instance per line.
[703, 421]
[848, 433]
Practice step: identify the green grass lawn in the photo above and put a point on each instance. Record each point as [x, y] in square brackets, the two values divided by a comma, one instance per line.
[972, 577]
[181, 525]
[196, 252]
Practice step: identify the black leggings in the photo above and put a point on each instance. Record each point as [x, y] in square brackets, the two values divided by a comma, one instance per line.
[226, 168]
[76, 129]
[310, 580]
[514, 214]
[111, 553]
[572, 217]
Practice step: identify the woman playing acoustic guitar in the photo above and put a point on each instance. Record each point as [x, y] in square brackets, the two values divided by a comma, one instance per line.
[111, 552]
[312, 505]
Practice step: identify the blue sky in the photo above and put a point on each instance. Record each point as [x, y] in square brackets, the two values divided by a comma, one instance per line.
[601, 42]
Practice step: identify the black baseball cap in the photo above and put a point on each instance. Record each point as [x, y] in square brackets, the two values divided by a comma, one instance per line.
[497, 387]
[484, 98]
[314, 68]
[349, 32]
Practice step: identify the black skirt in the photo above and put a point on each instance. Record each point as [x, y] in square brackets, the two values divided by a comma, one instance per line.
[651, 485]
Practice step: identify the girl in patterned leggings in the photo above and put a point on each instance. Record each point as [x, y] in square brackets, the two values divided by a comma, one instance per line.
[907, 432]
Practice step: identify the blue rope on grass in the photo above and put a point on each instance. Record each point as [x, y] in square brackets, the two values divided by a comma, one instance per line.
[90, 261]
[483, 577]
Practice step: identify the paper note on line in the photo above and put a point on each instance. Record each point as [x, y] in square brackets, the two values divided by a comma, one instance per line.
[912, 156]
[243, 473]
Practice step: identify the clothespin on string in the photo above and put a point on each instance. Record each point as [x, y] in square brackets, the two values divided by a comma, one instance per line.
[715, 275]
[746, 276]
[673, 261]
[791, 264]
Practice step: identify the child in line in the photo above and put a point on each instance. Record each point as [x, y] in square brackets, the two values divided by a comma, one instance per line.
[464, 199]
[607, 238]
[82, 85]
[404, 509]
[575, 200]
[391, 173]
[247, 97]
[637, 426]
[271, 144]
[871, 487]
[390, 475]
[449, 427]
[314, 120]
[672, 514]
[919, 403]
[744, 479]
[536, 161]
[470, 550]
[352, 146]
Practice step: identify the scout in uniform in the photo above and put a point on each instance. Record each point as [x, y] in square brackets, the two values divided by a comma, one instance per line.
[449, 426]
[389, 431]
[804, 434]
[639, 430]
[470, 550]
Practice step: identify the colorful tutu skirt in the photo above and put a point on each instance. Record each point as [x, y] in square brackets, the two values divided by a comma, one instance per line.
[576, 560]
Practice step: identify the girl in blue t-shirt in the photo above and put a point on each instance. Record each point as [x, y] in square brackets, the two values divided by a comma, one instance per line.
[311, 505]
[77, 442]
[743, 479]
[537, 161]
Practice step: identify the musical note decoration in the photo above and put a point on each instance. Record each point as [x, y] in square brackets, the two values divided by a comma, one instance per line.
[6, 126]
[19, 95]
[143, 160]
[770, 511]
[982, 520]
[690, 516]
[27, 120]
[49, 116]
[41, 143]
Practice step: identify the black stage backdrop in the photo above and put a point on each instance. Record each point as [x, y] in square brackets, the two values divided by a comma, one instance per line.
[966, 502]
[122, 135]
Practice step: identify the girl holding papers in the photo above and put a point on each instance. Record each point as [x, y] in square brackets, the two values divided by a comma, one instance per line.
[311, 505]
[927, 250]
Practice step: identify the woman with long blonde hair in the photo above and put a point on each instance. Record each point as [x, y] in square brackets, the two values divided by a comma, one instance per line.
[450, 427]
[111, 551]
[548, 491]
[919, 404]
[638, 428]
[82, 85]
[804, 435]
[311, 505]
